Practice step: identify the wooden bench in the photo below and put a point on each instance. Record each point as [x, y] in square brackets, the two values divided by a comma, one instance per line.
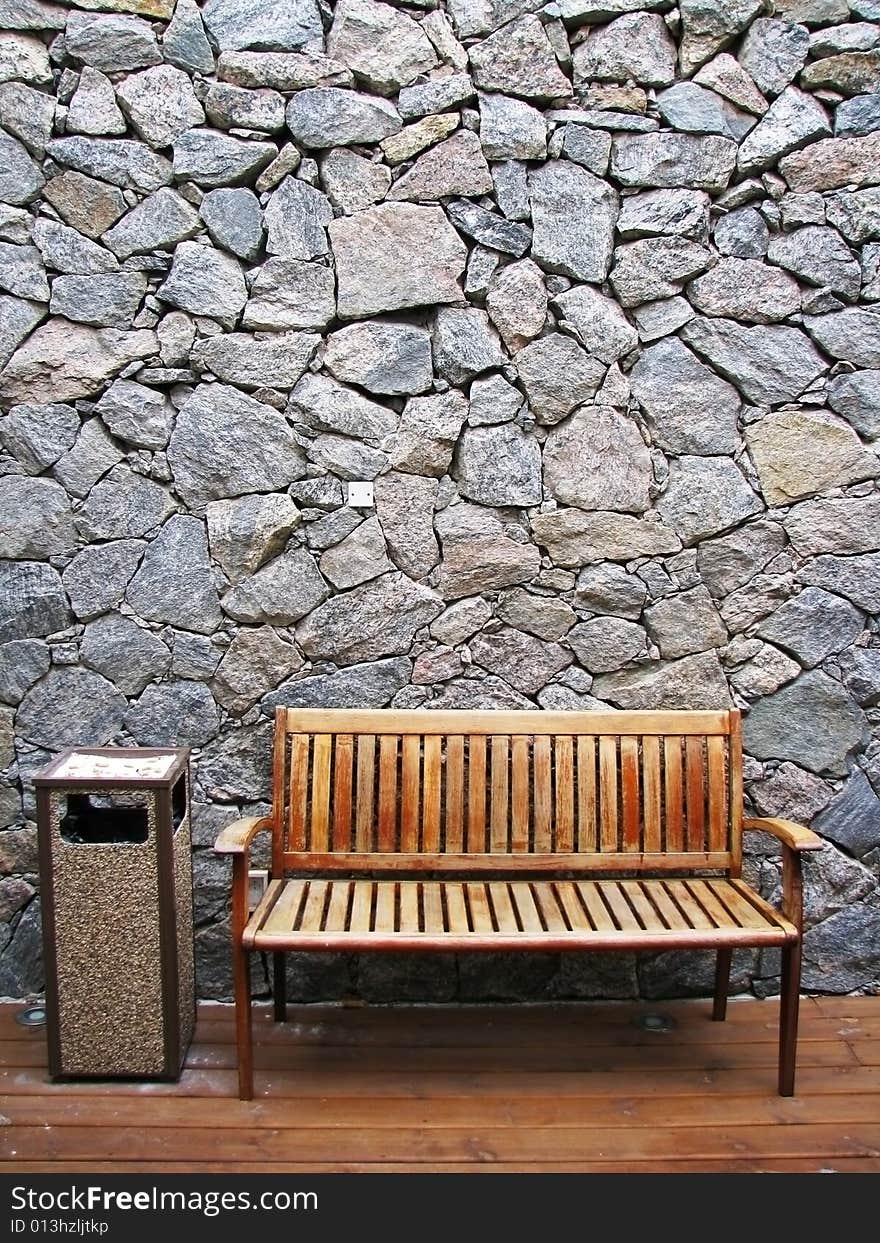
[510, 831]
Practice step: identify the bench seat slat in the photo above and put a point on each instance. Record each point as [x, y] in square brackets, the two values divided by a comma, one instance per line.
[409, 908]
[456, 909]
[646, 913]
[597, 912]
[384, 919]
[505, 915]
[311, 919]
[361, 907]
[432, 905]
[542, 914]
[574, 911]
[478, 904]
[666, 908]
[551, 914]
[285, 910]
[687, 903]
[526, 908]
[618, 906]
[750, 906]
[337, 908]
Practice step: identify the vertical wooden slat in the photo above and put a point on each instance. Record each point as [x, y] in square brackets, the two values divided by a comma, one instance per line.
[431, 794]
[519, 803]
[696, 810]
[477, 793]
[366, 789]
[629, 787]
[409, 906]
[499, 797]
[674, 801]
[388, 792]
[715, 748]
[736, 791]
[542, 795]
[410, 782]
[586, 793]
[651, 793]
[299, 789]
[320, 819]
[564, 794]
[280, 792]
[342, 787]
[454, 834]
[608, 793]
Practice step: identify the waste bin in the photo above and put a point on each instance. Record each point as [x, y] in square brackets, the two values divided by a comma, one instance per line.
[116, 885]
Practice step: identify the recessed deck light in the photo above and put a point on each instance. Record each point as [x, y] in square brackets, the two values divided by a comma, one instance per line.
[655, 1022]
[33, 1016]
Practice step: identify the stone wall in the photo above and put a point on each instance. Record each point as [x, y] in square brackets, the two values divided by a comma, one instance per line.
[590, 292]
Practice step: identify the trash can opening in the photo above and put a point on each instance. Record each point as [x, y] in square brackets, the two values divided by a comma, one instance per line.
[114, 818]
[178, 801]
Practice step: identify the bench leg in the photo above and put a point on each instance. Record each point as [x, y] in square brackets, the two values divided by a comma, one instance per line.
[243, 1032]
[722, 984]
[279, 986]
[788, 1016]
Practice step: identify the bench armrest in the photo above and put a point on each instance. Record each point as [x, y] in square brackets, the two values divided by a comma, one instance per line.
[795, 839]
[235, 838]
[795, 836]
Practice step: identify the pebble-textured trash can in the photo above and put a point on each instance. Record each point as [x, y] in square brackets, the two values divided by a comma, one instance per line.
[116, 883]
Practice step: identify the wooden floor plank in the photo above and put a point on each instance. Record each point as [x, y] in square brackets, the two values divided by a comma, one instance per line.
[367, 1018]
[522, 1055]
[431, 1084]
[672, 1165]
[497, 1031]
[345, 1113]
[382, 1144]
[483, 1088]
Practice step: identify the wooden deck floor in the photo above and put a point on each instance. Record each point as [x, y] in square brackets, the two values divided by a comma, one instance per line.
[513, 1088]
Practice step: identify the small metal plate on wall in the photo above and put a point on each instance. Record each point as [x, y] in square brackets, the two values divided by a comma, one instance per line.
[360, 494]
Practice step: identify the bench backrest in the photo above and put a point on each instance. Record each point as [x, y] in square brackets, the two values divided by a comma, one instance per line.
[474, 792]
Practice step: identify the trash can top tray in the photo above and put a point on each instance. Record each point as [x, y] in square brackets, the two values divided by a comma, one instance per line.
[114, 764]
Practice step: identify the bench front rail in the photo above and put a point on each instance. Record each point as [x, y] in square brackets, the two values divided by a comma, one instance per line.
[487, 831]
